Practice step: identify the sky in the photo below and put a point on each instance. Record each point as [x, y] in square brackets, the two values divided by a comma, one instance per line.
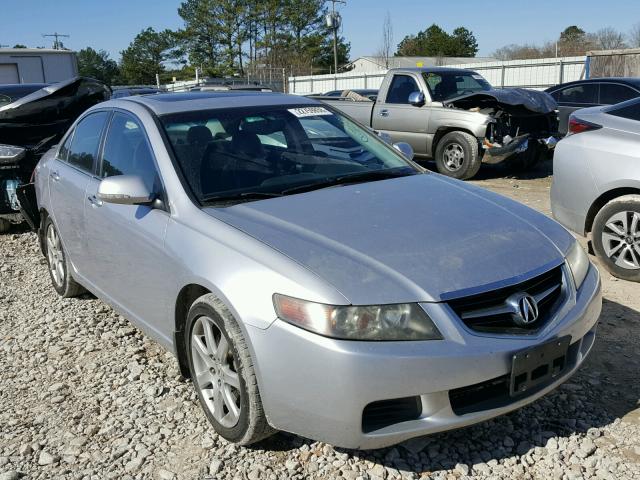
[111, 25]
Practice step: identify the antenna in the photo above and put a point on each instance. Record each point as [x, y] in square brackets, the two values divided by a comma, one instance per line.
[57, 44]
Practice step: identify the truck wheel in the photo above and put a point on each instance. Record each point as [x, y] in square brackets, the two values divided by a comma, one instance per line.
[5, 225]
[223, 374]
[457, 155]
[616, 237]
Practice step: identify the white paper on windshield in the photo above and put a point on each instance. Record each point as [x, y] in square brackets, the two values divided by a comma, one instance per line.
[309, 111]
[477, 77]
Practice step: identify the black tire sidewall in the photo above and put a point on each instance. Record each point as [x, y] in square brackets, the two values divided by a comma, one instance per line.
[61, 290]
[237, 432]
[610, 209]
[468, 163]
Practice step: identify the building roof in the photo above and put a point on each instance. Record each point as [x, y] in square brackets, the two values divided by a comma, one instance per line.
[21, 51]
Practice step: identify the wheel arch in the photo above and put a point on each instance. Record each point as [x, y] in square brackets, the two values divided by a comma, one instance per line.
[44, 214]
[602, 200]
[442, 131]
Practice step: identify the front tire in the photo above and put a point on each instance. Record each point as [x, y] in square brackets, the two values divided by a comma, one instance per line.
[616, 237]
[5, 225]
[58, 263]
[457, 155]
[222, 372]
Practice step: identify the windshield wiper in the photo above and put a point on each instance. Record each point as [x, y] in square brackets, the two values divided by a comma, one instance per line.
[240, 196]
[368, 176]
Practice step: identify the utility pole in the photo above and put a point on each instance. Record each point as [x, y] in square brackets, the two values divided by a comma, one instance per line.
[57, 44]
[333, 21]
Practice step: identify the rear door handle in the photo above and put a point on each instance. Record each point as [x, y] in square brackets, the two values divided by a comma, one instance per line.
[54, 176]
[94, 201]
[384, 112]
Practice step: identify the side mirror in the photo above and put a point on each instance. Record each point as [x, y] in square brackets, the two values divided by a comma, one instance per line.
[405, 149]
[124, 190]
[416, 99]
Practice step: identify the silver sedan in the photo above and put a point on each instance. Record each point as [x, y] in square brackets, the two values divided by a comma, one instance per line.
[596, 183]
[308, 276]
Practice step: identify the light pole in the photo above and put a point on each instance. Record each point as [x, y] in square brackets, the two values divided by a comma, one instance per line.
[333, 21]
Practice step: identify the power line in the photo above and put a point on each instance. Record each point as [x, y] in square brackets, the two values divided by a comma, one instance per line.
[57, 44]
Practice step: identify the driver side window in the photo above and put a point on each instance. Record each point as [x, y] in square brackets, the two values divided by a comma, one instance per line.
[127, 152]
[401, 87]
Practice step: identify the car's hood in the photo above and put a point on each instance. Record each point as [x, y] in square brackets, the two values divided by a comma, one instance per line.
[509, 99]
[417, 238]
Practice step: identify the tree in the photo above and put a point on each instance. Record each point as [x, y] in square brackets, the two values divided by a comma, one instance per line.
[609, 38]
[145, 56]
[634, 36]
[98, 65]
[435, 42]
[19, 45]
[387, 40]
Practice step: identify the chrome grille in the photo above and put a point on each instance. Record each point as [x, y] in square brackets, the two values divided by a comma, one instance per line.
[490, 312]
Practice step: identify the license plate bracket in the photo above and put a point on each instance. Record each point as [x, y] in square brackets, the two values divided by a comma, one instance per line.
[539, 365]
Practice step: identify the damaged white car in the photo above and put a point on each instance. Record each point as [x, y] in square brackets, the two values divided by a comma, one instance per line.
[455, 117]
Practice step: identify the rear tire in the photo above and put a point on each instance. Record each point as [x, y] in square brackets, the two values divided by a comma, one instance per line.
[616, 237]
[58, 263]
[457, 155]
[222, 373]
[529, 158]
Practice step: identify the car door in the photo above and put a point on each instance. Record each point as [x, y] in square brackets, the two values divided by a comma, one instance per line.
[574, 97]
[69, 175]
[130, 266]
[397, 117]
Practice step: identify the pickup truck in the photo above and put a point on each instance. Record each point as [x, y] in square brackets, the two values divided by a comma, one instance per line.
[455, 117]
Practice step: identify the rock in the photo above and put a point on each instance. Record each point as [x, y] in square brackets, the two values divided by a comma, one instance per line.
[462, 469]
[25, 450]
[47, 458]
[523, 447]
[215, 466]
[133, 465]
[165, 475]
[292, 464]
[587, 448]
[10, 475]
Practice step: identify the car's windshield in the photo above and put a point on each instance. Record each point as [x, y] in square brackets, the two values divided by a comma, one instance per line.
[447, 85]
[248, 153]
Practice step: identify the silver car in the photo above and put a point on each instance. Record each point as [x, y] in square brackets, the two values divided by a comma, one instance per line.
[307, 275]
[596, 183]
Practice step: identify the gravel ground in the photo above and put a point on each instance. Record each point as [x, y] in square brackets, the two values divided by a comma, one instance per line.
[84, 395]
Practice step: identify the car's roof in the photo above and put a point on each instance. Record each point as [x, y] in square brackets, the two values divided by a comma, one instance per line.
[192, 101]
[631, 81]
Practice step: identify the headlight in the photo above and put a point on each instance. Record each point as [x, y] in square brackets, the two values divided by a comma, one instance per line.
[578, 263]
[11, 154]
[382, 322]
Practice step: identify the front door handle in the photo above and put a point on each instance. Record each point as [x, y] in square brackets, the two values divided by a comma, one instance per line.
[384, 112]
[54, 176]
[94, 201]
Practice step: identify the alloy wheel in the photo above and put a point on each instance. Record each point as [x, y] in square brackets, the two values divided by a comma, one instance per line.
[216, 375]
[621, 239]
[453, 156]
[55, 256]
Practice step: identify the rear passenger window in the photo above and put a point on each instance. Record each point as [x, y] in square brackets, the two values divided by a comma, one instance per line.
[611, 93]
[127, 152]
[401, 87]
[578, 94]
[84, 145]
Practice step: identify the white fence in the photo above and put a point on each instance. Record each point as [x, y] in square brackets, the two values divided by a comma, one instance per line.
[537, 74]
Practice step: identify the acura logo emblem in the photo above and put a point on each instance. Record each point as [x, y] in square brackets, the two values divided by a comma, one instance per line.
[524, 308]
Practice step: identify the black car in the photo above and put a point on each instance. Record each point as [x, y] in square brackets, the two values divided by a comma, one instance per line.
[33, 118]
[572, 96]
[132, 91]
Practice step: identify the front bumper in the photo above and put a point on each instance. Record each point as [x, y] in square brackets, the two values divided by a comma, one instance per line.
[318, 387]
[519, 145]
